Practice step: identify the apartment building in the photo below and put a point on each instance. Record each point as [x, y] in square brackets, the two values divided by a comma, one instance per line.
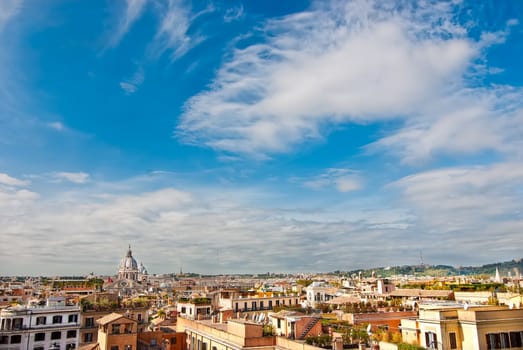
[319, 293]
[247, 302]
[295, 325]
[54, 325]
[117, 332]
[465, 327]
[98, 305]
[236, 334]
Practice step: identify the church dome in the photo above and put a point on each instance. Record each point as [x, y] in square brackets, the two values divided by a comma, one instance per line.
[142, 269]
[128, 262]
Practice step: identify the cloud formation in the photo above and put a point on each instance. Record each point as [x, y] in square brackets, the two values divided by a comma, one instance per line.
[77, 178]
[343, 180]
[131, 85]
[227, 229]
[8, 9]
[355, 62]
[11, 181]
[272, 96]
[211, 230]
[132, 12]
[173, 31]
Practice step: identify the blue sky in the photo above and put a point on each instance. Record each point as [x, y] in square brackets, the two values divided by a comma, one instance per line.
[260, 135]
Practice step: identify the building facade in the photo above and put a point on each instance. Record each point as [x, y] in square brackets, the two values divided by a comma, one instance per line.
[131, 277]
[117, 332]
[54, 325]
[462, 328]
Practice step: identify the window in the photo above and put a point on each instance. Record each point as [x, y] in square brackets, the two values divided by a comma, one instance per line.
[115, 328]
[4, 339]
[71, 333]
[452, 340]
[184, 310]
[57, 319]
[431, 340]
[39, 336]
[270, 304]
[173, 340]
[245, 306]
[504, 340]
[16, 339]
[73, 318]
[153, 342]
[516, 339]
[56, 335]
[40, 320]
[70, 346]
[279, 323]
[253, 305]
[214, 348]
[89, 322]
[139, 317]
[493, 341]
[38, 348]
[114, 347]
[505, 343]
[17, 323]
[128, 328]
[129, 347]
[88, 337]
[204, 346]
[261, 305]
[236, 307]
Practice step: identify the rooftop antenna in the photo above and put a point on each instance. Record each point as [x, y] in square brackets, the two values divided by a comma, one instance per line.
[422, 263]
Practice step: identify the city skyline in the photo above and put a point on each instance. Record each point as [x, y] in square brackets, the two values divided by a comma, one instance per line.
[246, 137]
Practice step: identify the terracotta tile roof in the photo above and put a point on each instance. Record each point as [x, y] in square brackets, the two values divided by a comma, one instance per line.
[110, 318]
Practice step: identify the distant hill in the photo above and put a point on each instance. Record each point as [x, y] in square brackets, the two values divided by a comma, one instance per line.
[442, 270]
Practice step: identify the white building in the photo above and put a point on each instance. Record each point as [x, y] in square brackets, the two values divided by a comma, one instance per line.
[318, 293]
[54, 325]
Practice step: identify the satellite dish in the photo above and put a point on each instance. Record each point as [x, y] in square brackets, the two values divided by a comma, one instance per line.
[466, 307]
[369, 328]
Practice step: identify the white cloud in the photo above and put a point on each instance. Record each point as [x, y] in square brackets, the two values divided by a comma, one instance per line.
[459, 207]
[78, 177]
[358, 62]
[128, 87]
[346, 62]
[131, 85]
[167, 225]
[479, 120]
[233, 14]
[465, 198]
[132, 12]
[11, 181]
[173, 32]
[8, 10]
[343, 180]
[346, 184]
[59, 126]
